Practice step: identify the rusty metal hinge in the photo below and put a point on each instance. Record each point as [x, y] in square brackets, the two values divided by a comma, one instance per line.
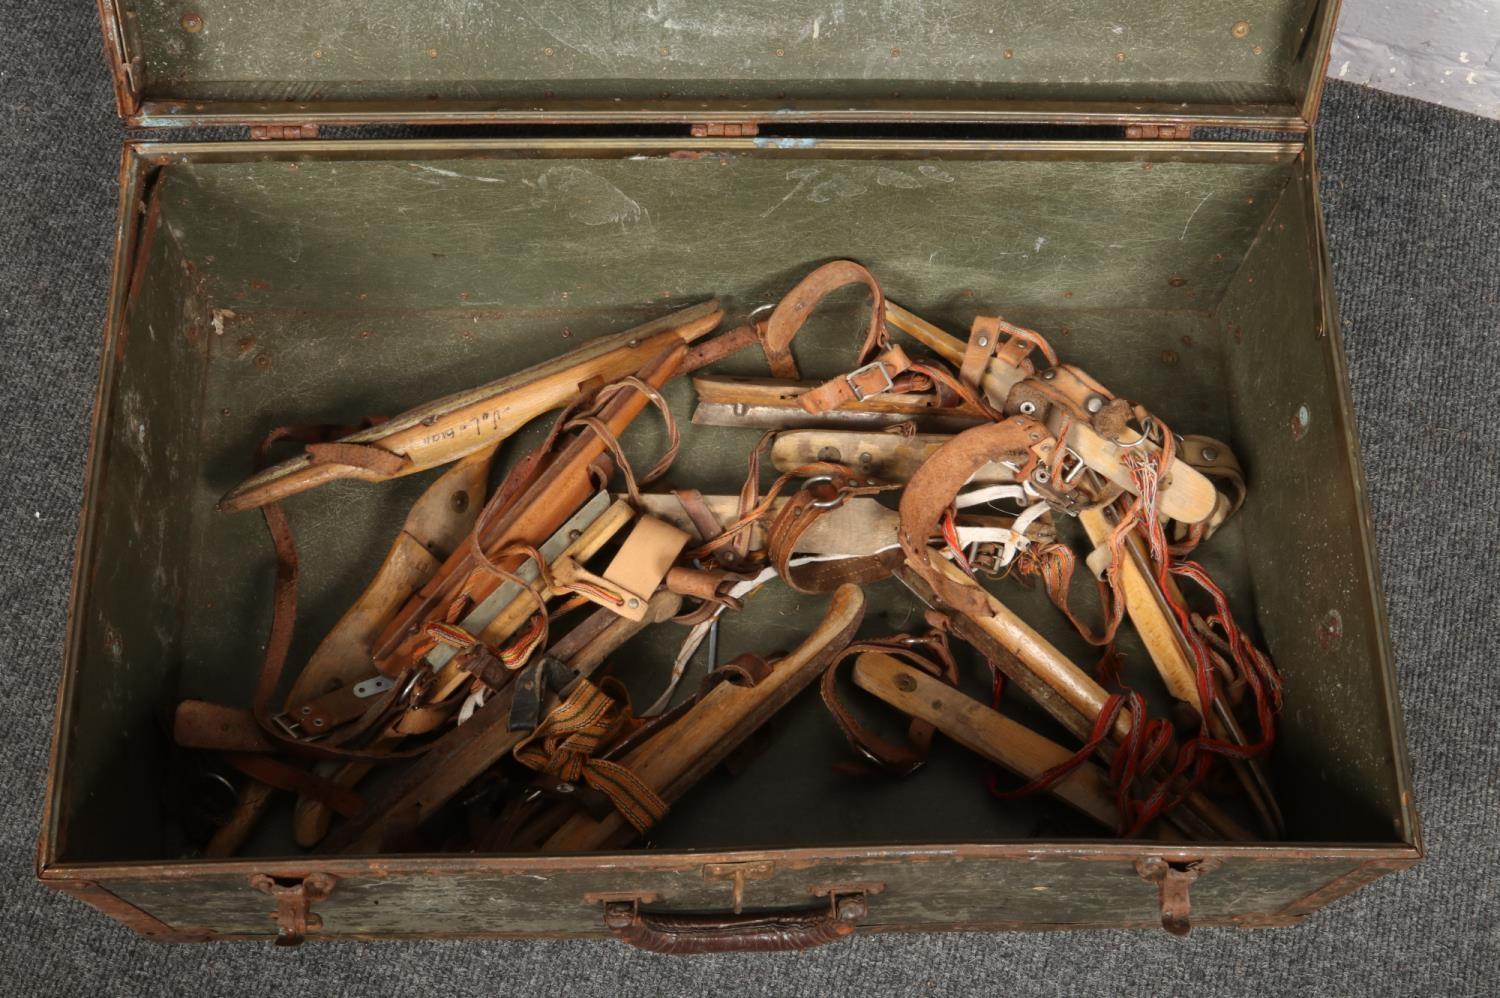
[725, 129]
[1155, 131]
[269, 132]
[1173, 881]
[294, 897]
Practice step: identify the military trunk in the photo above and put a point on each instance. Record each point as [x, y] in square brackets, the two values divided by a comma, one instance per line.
[1037, 160]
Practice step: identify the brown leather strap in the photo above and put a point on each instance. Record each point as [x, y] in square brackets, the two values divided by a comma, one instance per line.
[711, 586]
[285, 776]
[715, 349]
[709, 528]
[817, 496]
[283, 621]
[793, 311]
[322, 714]
[1064, 385]
[984, 338]
[878, 376]
[199, 724]
[703, 519]
[932, 488]
[1017, 346]
[1217, 463]
[745, 670]
[374, 459]
[561, 486]
[700, 583]
[930, 654]
[593, 420]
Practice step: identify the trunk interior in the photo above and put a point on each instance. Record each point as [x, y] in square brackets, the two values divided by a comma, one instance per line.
[362, 278]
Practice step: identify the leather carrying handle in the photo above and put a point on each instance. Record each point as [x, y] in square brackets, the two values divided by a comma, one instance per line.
[778, 932]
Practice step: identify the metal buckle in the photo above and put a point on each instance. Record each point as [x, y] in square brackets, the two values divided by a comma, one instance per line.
[288, 727]
[1070, 474]
[1068, 503]
[860, 396]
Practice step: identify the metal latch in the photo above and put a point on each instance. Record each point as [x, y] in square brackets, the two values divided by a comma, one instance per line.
[725, 129]
[738, 874]
[1173, 881]
[294, 897]
[269, 132]
[1155, 131]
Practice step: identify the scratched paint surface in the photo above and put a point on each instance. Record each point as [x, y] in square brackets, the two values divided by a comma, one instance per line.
[767, 49]
[363, 289]
[598, 233]
[1320, 606]
[132, 604]
[337, 290]
[934, 891]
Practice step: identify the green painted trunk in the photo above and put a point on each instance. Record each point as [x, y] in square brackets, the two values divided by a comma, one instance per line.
[324, 282]
[1258, 61]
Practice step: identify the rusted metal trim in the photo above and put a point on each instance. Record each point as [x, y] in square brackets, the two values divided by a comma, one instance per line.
[147, 233]
[1118, 854]
[1159, 131]
[1325, 21]
[595, 898]
[126, 913]
[1343, 885]
[294, 899]
[725, 129]
[738, 874]
[270, 133]
[1174, 883]
[883, 149]
[1279, 117]
[125, 68]
[1254, 921]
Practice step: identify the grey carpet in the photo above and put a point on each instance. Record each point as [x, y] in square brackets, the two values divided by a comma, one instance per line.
[1413, 202]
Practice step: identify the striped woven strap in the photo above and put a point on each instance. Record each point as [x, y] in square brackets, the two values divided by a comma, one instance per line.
[565, 743]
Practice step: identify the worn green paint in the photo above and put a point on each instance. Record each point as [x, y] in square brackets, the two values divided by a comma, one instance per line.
[535, 233]
[131, 627]
[1066, 50]
[1316, 598]
[463, 278]
[935, 890]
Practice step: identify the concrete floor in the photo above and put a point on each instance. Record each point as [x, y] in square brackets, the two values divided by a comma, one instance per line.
[1444, 51]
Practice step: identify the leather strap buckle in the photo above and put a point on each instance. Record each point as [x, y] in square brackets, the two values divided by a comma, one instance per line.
[1069, 472]
[875, 365]
[288, 726]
